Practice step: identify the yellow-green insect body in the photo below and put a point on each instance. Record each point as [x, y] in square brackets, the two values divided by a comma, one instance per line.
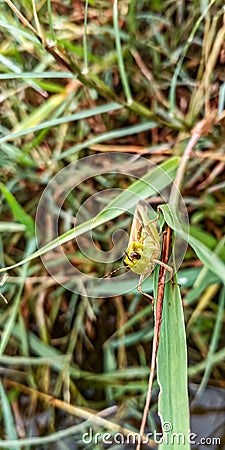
[144, 244]
[143, 250]
[141, 254]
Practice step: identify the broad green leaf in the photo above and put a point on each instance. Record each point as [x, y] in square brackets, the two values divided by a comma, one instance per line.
[172, 373]
[17, 210]
[145, 187]
[209, 258]
[142, 188]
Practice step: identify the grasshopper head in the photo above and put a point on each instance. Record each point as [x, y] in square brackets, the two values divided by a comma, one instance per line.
[133, 254]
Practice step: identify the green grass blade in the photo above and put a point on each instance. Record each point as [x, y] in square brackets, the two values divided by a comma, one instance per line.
[85, 46]
[39, 75]
[17, 31]
[51, 19]
[183, 54]
[172, 373]
[9, 424]
[8, 63]
[17, 210]
[39, 114]
[122, 70]
[215, 358]
[217, 332]
[11, 227]
[10, 323]
[42, 441]
[114, 134]
[32, 123]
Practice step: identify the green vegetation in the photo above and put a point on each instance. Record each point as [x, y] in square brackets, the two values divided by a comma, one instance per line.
[137, 87]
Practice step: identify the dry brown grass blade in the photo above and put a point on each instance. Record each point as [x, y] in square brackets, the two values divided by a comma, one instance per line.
[201, 129]
[201, 96]
[83, 413]
[20, 16]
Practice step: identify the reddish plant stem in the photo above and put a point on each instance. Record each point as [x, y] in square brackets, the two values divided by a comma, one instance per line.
[158, 320]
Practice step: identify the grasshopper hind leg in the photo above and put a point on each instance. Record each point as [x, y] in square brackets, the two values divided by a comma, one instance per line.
[162, 264]
[139, 288]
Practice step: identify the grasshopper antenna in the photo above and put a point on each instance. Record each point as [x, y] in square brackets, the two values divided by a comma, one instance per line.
[114, 271]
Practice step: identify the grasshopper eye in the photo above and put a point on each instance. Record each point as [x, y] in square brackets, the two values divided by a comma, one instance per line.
[132, 256]
[135, 255]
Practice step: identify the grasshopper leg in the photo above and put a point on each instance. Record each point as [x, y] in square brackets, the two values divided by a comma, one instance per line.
[165, 266]
[139, 288]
